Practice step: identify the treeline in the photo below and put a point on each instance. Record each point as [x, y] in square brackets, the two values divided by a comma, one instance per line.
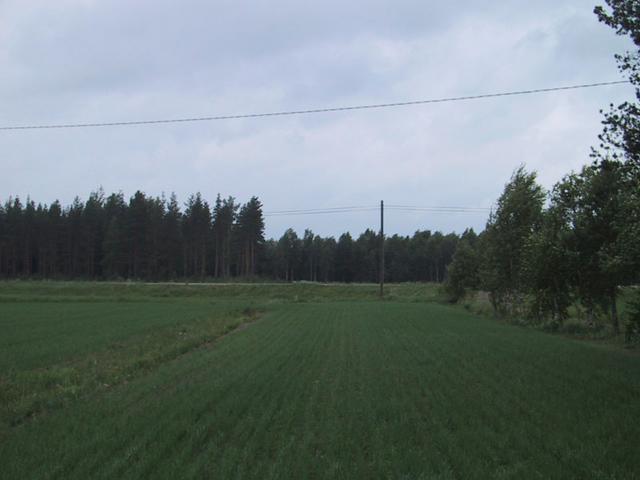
[150, 238]
[536, 261]
[423, 257]
[579, 243]
[145, 237]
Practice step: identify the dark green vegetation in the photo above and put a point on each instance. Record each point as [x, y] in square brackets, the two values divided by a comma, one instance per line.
[329, 382]
[150, 238]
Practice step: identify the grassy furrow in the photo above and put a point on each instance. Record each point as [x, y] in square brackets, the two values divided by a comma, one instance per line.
[163, 392]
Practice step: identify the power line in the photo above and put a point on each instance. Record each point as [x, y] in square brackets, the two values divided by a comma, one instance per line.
[310, 210]
[319, 212]
[311, 111]
[440, 208]
[372, 208]
[441, 212]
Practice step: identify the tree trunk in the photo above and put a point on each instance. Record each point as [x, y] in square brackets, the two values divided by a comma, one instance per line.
[590, 316]
[203, 260]
[184, 261]
[252, 258]
[614, 313]
[216, 255]
[27, 258]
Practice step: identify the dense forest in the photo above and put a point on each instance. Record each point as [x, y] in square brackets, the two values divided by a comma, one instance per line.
[150, 238]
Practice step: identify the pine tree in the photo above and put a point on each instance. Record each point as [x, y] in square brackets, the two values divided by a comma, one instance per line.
[397, 258]
[421, 262]
[138, 235]
[4, 241]
[29, 237]
[171, 249]
[289, 253]
[308, 255]
[115, 240]
[344, 258]
[249, 235]
[52, 266]
[326, 261]
[93, 232]
[224, 216]
[196, 231]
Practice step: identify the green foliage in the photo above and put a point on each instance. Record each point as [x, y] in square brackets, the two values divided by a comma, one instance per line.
[249, 236]
[632, 326]
[224, 215]
[518, 215]
[586, 245]
[620, 138]
[151, 239]
[593, 206]
[547, 269]
[288, 251]
[197, 228]
[463, 273]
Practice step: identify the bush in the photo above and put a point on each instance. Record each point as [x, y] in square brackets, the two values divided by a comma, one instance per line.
[632, 325]
[581, 328]
[551, 326]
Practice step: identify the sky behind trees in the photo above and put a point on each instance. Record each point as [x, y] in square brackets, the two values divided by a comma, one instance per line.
[82, 60]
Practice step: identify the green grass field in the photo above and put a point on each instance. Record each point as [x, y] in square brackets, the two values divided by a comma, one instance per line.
[117, 381]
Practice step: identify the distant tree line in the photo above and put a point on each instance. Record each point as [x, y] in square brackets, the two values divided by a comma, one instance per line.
[422, 257]
[542, 252]
[150, 238]
[142, 238]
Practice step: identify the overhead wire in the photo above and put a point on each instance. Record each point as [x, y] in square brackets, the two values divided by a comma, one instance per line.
[439, 208]
[307, 210]
[375, 208]
[320, 211]
[309, 111]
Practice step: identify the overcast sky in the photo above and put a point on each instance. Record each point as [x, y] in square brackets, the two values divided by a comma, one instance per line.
[92, 61]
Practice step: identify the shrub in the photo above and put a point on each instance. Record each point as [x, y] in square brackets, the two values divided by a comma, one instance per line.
[632, 325]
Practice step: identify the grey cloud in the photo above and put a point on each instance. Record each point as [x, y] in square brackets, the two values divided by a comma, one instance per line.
[83, 60]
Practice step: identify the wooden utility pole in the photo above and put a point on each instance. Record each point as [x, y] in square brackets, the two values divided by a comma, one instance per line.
[381, 248]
